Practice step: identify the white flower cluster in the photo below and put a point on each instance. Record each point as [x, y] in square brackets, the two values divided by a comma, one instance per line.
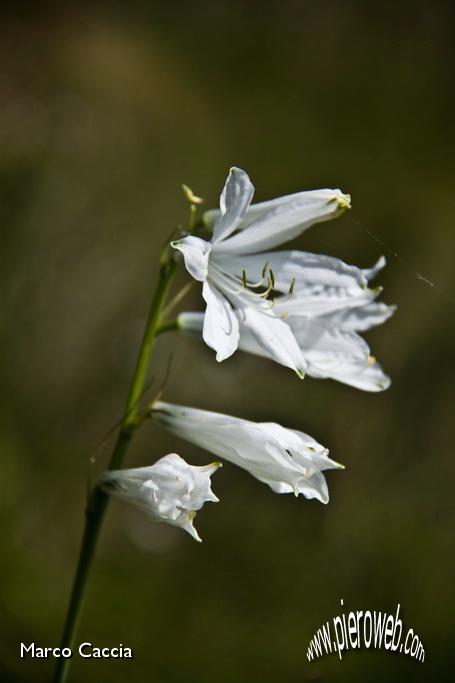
[303, 310]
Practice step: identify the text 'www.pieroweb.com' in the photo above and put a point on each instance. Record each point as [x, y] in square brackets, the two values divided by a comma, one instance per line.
[369, 629]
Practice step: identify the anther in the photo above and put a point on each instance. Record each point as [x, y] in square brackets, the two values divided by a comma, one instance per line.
[244, 281]
[272, 278]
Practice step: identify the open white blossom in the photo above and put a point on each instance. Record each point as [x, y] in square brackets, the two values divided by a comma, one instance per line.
[238, 282]
[287, 460]
[302, 310]
[169, 491]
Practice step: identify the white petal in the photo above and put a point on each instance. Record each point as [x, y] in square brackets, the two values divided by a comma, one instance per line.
[361, 318]
[191, 322]
[316, 301]
[185, 521]
[366, 375]
[338, 354]
[234, 201]
[315, 487]
[275, 337]
[318, 339]
[260, 209]
[196, 254]
[287, 218]
[311, 487]
[305, 450]
[221, 434]
[221, 327]
[371, 273]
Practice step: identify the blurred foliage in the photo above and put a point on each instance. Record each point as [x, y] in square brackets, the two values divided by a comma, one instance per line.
[106, 108]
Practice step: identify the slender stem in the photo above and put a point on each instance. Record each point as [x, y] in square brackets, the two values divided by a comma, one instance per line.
[168, 326]
[143, 361]
[178, 298]
[98, 501]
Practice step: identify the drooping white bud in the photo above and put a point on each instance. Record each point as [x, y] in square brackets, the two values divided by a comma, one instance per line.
[170, 491]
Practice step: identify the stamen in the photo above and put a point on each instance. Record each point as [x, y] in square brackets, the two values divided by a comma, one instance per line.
[271, 305]
[291, 288]
[255, 285]
[229, 283]
[244, 281]
[260, 283]
[190, 196]
[265, 294]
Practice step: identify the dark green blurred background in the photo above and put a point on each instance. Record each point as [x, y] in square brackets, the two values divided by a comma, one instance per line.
[105, 110]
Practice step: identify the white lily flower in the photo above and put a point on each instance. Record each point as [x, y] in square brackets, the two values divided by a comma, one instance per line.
[238, 282]
[287, 460]
[169, 491]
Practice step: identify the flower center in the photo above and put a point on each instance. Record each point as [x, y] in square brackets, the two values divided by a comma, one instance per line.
[262, 292]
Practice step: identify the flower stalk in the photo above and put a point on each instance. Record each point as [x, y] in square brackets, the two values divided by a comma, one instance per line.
[97, 503]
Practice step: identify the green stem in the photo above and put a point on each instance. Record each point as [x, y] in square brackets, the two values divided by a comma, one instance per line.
[98, 501]
[168, 326]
